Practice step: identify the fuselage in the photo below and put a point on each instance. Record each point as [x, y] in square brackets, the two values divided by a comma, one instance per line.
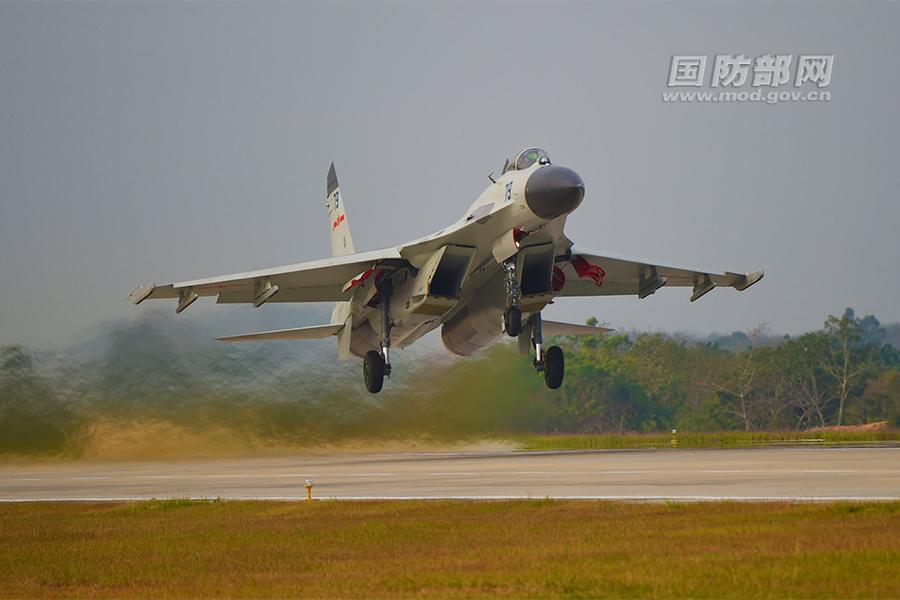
[460, 286]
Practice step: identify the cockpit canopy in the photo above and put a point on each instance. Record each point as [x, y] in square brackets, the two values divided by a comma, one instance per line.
[526, 158]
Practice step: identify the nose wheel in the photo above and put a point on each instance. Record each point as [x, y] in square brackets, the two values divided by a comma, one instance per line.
[512, 321]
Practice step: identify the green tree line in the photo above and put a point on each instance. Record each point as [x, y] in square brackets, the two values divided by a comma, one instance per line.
[843, 373]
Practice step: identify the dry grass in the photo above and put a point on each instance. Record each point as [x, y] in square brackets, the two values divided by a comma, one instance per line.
[540, 548]
[720, 439]
[109, 440]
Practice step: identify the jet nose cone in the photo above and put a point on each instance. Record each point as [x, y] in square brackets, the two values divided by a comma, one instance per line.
[553, 191]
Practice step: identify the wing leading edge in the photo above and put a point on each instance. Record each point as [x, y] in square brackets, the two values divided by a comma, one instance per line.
[328, 280]
[589, 273]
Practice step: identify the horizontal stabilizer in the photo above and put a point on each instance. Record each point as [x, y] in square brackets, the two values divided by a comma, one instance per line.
[317, 332]
[555, 328]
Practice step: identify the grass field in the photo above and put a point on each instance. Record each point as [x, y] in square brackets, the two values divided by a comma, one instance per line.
[540, 548]
[723, 439]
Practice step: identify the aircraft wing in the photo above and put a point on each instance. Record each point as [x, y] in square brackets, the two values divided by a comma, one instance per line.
[590, 273]
[325, 280]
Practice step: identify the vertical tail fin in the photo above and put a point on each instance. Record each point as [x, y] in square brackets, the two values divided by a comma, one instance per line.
[341, 242]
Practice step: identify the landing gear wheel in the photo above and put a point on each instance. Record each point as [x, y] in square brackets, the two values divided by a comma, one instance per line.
[554, 367]
[513, 320]
[373, 371]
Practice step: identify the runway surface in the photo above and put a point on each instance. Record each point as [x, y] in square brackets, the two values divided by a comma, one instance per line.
[753, 474]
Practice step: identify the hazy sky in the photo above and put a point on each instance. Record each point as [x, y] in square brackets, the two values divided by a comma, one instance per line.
[145, 142]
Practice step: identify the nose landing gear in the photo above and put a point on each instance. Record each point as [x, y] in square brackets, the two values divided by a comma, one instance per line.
[512, 316]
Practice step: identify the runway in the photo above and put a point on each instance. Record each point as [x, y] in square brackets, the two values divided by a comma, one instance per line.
[689, 475]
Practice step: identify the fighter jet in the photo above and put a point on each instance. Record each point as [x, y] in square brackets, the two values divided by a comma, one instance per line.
[490, 273]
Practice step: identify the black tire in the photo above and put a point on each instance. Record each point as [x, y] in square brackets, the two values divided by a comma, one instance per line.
[513, 320]
[373, 371]
[554, 367]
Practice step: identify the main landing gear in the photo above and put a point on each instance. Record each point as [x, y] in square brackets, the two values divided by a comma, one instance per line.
[377, 365]
[551, 363]
[554, 367]
[373, 371]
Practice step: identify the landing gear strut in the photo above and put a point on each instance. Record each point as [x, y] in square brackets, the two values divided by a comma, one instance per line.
[377, 365]
[387, 290]
[552, 362]
[512, 316]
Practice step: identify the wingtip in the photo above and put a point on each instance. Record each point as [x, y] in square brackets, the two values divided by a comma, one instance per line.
[749, 279]
[140, 293]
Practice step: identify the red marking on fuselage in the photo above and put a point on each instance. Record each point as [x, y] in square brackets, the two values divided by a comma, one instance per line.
[586, 269]
[559, 279]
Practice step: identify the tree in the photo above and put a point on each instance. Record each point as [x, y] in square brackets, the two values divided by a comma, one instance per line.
[739, 381]
[881, 400]
[808, 385]
[845, 361]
